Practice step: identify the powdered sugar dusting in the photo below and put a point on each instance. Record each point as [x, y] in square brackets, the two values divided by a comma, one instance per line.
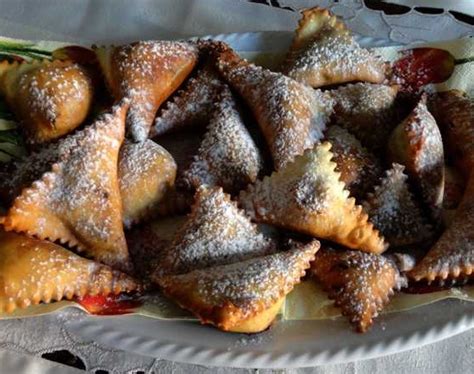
[394, 211]
[228, 156]
[216, 233]
[358, 167]
[292, 116]
[367, 111]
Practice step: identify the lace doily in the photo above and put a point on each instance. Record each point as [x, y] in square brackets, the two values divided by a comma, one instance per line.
[40, 336]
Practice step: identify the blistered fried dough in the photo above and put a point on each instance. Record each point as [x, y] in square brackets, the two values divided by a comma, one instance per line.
[292, 116]
[359, 283]
[452, 257]
[216, 233]
[454, 113]
[146, 174]
[34, 271]
[192, 105]
[78, 201]
[244, 296]
[228, 156]
[417, 144]
[307, 196]
[393, 210]
[367, 111]
[359, 168]
[324, 52]
[147, 73]
[49, 98]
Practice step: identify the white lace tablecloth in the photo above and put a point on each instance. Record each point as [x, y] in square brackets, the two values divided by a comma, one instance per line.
[23, 342]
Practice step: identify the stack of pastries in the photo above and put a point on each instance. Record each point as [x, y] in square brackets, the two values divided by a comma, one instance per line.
[323, 169]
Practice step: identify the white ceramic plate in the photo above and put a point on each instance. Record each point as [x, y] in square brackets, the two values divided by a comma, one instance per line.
[288, 343]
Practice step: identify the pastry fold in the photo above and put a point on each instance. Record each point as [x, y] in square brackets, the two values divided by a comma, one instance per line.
[49, 98]
[147, 73]
[77, 201]
[359, 283]
[324, 52]
[291, 115]
[307, 196]
[34, 271]
[227, 156]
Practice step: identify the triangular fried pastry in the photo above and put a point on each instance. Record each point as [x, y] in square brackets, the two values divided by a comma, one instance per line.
[50, 99]
[359, 168]
[452, 257]
[307, 196]
[147, 73]
[146, 175]
[292, 116]
[454, 113]
[228, 156]
[393, 210]
[359, 283]
[192, 105]
[78, 201]
[216, 233]
[417, 144]
[324, 52]
[367, 111]
[34, 271]
[454, 186]
[244, 296]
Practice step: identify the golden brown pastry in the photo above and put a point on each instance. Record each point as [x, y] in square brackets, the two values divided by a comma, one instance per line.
[147, 73]
[216, 233]
[417, 144]
[77, 201]
[307, 196]
[34, 271]
[452, 257]
[393, 210]
[324, 52]
[454, 113]
[367, 111]
[359, 283]
[146, 175]
[244, 296]
[292, 116]
[49, 98]
[192, 105]
[359, 168]
[228, 156]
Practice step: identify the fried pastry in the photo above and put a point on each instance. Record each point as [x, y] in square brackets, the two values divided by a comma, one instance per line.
[192, 105]
[452, 257]
[34, 271]
[216, 233]
[359, 283]
[292, 116]
[50, 99]
[228, 156]
[146, 175]
[393, 210]
[454, 113]
[417, 144]
[244, 296]
[324, 52]
[147, 73]
[77, 201]
[306, 196]
[367, 111]
[359, 168]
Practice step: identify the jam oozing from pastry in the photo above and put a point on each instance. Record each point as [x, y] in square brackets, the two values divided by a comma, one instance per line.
[110, 305]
